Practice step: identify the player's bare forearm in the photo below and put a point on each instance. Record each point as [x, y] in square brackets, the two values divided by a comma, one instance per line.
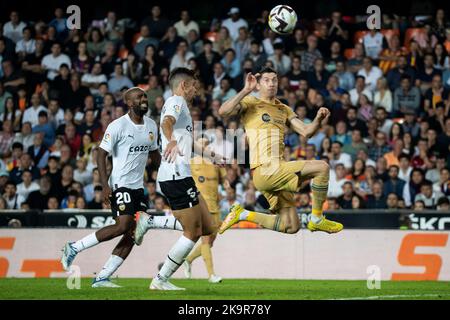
[167, 127]
[101, 163]
[231, 106]
[155, 157]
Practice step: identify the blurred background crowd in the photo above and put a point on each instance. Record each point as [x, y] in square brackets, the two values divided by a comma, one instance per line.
[387, 141]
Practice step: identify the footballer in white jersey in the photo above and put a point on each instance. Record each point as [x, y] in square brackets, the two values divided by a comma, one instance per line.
[131, 140]
[175, 178]
[129, 144]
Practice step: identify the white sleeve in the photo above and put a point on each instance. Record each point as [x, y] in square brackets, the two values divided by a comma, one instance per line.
[174, 108]
[109, 138]
[154, 137]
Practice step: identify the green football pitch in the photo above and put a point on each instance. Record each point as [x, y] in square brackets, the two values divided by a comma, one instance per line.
[229, 289]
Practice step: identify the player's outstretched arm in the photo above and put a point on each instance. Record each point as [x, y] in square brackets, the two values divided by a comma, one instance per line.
[308, 130]
[101, 163]
[231, 107]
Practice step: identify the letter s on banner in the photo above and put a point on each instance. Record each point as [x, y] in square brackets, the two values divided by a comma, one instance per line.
[6, 243]
[431, 262]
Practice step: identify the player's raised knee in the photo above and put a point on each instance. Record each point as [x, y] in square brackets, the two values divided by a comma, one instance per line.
[323, 166]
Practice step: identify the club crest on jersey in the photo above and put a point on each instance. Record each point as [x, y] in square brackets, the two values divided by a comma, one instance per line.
[177, 108]
[122, 207]
[265, 117]
[151, 136]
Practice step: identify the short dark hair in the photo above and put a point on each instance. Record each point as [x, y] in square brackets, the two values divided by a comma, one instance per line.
[266, 70]
[338, 142]
[179, 74]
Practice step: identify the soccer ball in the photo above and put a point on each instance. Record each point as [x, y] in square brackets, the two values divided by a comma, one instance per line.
[282, 19]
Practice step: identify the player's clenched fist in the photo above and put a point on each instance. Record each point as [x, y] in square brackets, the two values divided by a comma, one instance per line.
[250, 82]
[323, 114]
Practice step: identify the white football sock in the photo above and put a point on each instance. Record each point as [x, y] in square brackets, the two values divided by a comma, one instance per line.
[113, 263]
[243, 215]
[85, 243]
[163, 222]
[315, 218]
[175, 258]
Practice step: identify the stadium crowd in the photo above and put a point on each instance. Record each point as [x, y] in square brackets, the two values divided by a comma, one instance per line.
[387, 141]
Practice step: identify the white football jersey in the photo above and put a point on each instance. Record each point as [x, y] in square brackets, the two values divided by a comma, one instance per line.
[177, 107]
[129, 145]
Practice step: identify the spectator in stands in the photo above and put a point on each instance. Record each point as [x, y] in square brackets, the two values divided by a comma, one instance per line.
[419, 205]
[365, 108]
[355, 145]
[426, 74]
[311, 54]
[345, 200]
[360, 89]
[383, 96]
[354, 123]
[225, 91]
[346, 78]
[38, 151]
[436, 93]
[144, 41]
[93, 79]
[376, 200]
[337, 180]
[318, 76]
[357, 202]
[370, 73]
[234, 23]
[394, 184]
[337, 156]
[81, 174]
[25, 164]
[6, 139]
[428, 195]
[13, 199]
[412, 188]
[281, 61]
[53, 203]
[45, 128]
[12, 79]
[256, 55]
[39, 199]
[443, 204]
[392, 201]
[13, 29]
[231, 64]
[97, 201]
[157, 24]
[186, 24]
[118, 81]
[182, 56]
[374, 42]
[380, 147]
[52, 61]
[28, 185]
[395, 75]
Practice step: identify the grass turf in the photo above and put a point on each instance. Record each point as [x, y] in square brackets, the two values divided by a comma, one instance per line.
[229, 289]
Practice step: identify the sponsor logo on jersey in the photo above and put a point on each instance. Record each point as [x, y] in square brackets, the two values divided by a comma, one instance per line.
[107, 137]
[189, 128]
[138, 149]
[265, 117]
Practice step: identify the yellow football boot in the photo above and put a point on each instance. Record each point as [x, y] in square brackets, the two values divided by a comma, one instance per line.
[232, 218]
[325, 225]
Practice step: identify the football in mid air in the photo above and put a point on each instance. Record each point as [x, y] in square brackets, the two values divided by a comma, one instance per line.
[282, 19]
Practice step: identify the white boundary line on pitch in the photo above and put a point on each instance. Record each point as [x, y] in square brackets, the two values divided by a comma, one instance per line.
[394, 296]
